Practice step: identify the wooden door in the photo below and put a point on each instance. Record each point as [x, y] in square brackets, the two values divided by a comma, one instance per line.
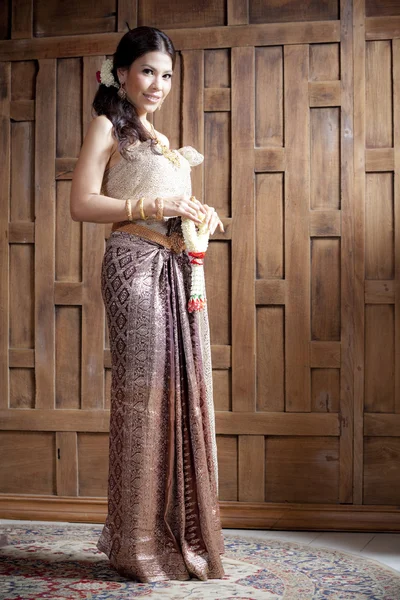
[295, 108]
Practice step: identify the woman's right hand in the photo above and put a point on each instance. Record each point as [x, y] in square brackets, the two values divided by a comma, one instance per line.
[183, 206]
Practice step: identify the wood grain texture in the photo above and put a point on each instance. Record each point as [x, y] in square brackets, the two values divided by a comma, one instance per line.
[378, 95]
[359, 242]
[45, 150]
[190, 38]
[291, 10]
[5, 77]
[297, 243]
[193, 112]
[251, 468]
[66, 460]
[396, 209]
[347, 252]
[243, 247]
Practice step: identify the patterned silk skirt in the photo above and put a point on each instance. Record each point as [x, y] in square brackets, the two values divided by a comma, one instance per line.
[163, 518]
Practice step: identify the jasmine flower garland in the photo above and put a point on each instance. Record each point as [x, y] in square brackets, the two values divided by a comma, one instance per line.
[196, 241]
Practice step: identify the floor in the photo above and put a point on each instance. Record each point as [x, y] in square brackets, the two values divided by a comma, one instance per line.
[383, 547]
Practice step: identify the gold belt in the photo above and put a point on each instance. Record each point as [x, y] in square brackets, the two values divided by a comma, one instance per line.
[174, 242]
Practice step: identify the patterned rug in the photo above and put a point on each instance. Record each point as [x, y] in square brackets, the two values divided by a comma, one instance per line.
[61, 561]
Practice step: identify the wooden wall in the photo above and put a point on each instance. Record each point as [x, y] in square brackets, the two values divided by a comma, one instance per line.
[296, 109]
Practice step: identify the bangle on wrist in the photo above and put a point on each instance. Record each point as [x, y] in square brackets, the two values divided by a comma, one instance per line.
[160, 209]
[128, 208]
[141, 210]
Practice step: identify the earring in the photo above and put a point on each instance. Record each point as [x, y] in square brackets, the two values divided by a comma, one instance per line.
[121, 92]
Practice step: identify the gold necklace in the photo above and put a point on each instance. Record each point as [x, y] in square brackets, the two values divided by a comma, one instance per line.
[170, 154]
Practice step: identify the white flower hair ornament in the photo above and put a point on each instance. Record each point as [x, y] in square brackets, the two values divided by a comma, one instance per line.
[105, 75]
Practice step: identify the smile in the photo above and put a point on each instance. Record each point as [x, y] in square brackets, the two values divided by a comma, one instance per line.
[152, 98]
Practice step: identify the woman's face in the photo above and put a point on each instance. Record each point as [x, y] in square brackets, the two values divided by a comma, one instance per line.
[147, 80]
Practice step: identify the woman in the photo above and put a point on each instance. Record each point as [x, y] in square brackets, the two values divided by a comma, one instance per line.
[163, 518]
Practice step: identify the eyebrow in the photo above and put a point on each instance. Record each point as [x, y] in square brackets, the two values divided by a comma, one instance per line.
[147, 65]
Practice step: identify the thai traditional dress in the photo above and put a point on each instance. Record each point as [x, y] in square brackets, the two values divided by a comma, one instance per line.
[163, 518]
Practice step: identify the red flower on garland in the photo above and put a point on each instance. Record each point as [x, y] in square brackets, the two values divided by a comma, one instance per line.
[98, 76]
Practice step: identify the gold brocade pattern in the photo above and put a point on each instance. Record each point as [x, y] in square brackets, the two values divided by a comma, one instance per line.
[163, 518]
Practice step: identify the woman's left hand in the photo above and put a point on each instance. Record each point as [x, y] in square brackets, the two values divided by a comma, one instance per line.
[212, 219]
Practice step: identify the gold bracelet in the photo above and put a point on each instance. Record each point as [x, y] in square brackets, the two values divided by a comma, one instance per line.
[141, 210]
[160, 209]
[128, 208]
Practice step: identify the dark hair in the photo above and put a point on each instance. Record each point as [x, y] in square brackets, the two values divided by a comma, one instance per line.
[128, 127]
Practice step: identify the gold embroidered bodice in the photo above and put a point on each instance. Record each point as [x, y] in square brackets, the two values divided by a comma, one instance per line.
[144, 173]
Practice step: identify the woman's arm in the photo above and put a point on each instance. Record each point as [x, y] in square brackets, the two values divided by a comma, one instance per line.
[86, 202]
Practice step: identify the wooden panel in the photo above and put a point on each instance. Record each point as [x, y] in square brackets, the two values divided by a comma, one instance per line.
[227, 453]
[379, 159]
[269, 226]
[381, 470]
[30, 462]
[126, 14]
[5, 142]
[324, 93]
[217, 68]
[270, 291]
[217, 183]
[379, 358]
[243, 213]
[217, 99]
[294, 471]
[22, 388]
[217, 274]
[45, 233]
[379, 226]
[228, 423]
[269, 159]
[325, 158]
[324, 62]
[67, 463]
[378, 98]
[325, 289]
[270, 359]
[325, 223]
[251, 468]
[269, 83]
[57, 18]
[291, 10]
[382, 28]
[381, 8]
[270, 34]
[93, 464]
[238, 12]
[222, 385]
[325, 390]
[193, 112]
[68, 242]
[396, 208]
[22, 206]
[358, 176]
[68, 356]
[325, 354]
[381, 424]
[379, 292]
[181, 14]
[69, 103]
[297, 251]
[22, 283]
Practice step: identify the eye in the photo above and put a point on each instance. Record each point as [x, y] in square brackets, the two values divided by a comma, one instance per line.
[145, 70]
[169, 75]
